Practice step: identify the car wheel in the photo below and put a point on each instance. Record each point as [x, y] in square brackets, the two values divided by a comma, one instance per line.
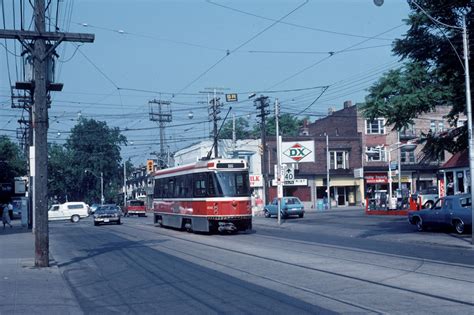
[267, 214]
[75, 218]
[96, 223]
[301, 215]
[459, 226]
[282, 215]
[119, 222]
[419, 224]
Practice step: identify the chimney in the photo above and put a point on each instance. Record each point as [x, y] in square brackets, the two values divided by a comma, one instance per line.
[330, 111]
[347, 104]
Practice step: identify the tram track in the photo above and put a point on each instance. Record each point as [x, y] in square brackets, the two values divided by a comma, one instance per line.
[152, 230]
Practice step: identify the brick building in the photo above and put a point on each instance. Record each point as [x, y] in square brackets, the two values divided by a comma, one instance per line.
[359, 152]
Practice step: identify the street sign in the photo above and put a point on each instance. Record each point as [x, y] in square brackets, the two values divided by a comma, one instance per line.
[289, 174]
[231, 97]
[294, 182]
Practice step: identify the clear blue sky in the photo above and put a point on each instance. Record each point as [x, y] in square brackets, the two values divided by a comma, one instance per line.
[173, 50]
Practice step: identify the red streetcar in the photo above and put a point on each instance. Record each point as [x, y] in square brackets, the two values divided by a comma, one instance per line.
[135, 207]
[207, 196]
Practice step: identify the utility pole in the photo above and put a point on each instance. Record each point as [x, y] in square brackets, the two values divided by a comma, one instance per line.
[215, 106]
[124, 183]
[328, 161]
[278, 168]
[234, 135]
[261, 103]
[41, 53]
[162, 116]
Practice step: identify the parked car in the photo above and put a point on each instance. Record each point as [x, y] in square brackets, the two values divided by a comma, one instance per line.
[107, 214]
[428, 196]
[73, 211]
[289, 206]
[450, 211]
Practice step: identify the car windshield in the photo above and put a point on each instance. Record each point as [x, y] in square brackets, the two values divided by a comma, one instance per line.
[429, 191]
[107, 210]
[136, 203]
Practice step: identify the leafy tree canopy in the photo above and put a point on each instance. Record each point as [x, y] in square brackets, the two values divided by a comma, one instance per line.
[241, 129]
[433, 73]
[12, 160]
[288, 124]
[94, 147]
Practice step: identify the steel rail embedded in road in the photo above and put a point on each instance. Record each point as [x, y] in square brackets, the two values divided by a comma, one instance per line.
[338, 274]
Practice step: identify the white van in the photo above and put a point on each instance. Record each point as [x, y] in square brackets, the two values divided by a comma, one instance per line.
[73, 211]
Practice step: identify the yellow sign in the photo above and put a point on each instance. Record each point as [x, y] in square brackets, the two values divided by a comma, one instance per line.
[231, 97]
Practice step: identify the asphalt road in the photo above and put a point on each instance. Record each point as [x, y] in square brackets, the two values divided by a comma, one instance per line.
[328, 262]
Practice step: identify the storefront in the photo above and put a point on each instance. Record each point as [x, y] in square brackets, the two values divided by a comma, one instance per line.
[379, 182]
[455, 175]
[344, 191]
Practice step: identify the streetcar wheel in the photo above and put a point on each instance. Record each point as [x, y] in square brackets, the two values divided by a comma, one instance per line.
[459, 226]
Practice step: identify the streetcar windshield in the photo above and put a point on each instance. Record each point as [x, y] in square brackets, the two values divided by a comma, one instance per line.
[233, 183]
[136, 203]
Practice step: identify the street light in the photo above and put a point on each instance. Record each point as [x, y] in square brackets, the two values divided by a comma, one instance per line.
[101, 184]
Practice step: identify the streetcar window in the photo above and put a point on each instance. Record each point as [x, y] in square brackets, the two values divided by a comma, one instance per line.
[187, 186]
[213, 187]
[234, 183]
[200, 185]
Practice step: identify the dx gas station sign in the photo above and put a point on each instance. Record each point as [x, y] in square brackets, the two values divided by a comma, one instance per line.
[297, 152]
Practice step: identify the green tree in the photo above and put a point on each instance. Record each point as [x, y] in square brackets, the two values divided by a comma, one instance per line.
[288, 124]
[12, 160]
[433, 73]
[95, 147]
[241, 129]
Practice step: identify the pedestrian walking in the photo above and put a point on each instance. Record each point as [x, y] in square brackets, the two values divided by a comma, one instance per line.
[6, 217]
[10, 210]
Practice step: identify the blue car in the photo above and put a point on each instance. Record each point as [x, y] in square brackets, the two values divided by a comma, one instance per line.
[447, 212]
[289, 206]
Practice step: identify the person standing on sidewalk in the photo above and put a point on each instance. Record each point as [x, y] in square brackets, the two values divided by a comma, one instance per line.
[6, 217]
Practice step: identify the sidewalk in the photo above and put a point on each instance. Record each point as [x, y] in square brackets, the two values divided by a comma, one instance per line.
[25, 289]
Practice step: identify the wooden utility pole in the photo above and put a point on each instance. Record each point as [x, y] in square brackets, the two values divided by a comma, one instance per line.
[261, 103]
[162, 116]
[41, 53]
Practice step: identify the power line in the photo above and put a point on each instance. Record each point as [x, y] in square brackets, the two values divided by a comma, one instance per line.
[240, 46]
[293, 24]
[331, 55]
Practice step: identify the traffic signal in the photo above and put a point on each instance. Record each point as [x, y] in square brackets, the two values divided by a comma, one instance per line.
[149, 166]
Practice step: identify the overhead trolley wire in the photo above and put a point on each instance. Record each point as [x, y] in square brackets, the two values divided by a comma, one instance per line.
[240, 46]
